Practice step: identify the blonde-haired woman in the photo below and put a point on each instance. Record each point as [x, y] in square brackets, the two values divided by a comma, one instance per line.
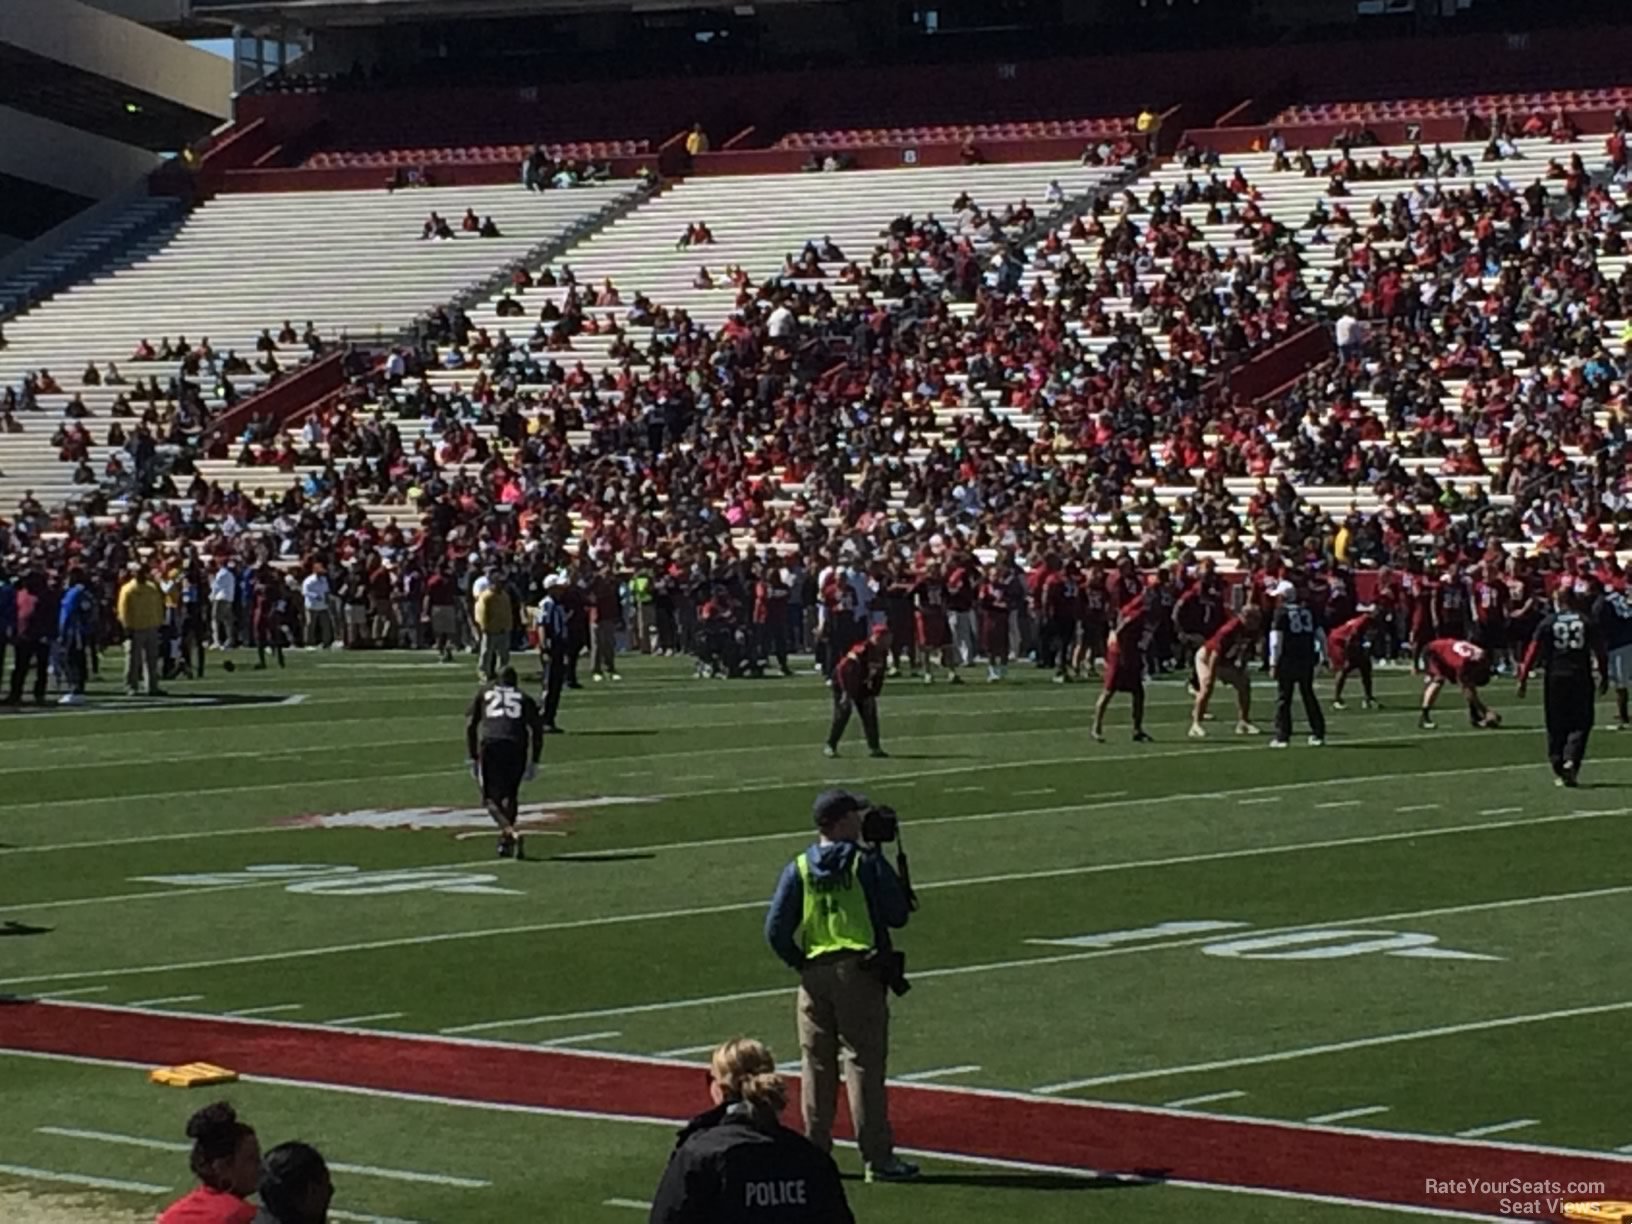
[738, 1164]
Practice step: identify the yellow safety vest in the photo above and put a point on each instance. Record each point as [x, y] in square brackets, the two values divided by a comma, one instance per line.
[836, 917]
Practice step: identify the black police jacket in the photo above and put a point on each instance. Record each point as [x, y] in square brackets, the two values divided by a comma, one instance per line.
[725, 1169]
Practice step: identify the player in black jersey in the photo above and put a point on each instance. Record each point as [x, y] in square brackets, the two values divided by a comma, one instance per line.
[1296, 644]
[1565, 646]
[1612, 613]
[503, 726]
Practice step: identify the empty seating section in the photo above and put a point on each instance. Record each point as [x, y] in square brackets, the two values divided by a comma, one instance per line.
[351, 263]
[956, 133]
[1484, 105]
[589, 150]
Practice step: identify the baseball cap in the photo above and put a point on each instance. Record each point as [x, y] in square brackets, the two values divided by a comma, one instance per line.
[834, 805]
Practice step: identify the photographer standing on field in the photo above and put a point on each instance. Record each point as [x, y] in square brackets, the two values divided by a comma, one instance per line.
[830, 919]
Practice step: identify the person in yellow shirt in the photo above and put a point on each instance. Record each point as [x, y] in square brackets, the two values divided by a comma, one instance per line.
[141, 612]
[696, 140]
[495, 616]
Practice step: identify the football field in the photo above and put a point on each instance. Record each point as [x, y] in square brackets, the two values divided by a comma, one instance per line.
[1183, 980]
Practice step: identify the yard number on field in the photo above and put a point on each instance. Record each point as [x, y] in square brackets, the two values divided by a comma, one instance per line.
[334, 880]
[1324, 943]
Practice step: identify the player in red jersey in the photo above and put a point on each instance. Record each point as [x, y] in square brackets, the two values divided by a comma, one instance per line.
[1125, 668]
[1465, 665]
[1348, 650]
[932, 624]
[1420, 597]
[994, 604]
[1096, 617]
[1225, 656]
[1490, 602]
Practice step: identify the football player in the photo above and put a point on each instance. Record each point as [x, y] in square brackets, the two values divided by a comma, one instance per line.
[504, 738]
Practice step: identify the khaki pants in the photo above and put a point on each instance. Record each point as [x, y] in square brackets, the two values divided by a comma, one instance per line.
[495, 654]
[142, 661]
[840, 1003]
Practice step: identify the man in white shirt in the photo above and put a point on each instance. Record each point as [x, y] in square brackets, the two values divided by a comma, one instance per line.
[781, 325]
[224, 606]
[314, 591]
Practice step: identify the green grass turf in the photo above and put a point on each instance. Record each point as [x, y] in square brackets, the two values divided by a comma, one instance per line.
[539, 1167]
[1020, 830]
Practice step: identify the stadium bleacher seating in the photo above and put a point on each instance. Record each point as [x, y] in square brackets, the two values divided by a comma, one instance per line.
[847, 138]
[590, 150]
[1484, 105]
[351, 263]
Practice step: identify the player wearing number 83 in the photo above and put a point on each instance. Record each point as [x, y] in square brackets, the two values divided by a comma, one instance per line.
[1296, 643]
[502, 727]
[1565, 646]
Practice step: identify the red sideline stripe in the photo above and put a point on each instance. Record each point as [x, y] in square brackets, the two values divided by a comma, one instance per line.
[1223, 1151]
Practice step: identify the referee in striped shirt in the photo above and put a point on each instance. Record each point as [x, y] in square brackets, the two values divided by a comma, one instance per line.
[552, 648]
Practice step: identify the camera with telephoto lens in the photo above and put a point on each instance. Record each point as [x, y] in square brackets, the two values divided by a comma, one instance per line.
[880, 825]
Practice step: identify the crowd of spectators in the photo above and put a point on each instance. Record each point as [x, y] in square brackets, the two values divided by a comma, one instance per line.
[979, 390]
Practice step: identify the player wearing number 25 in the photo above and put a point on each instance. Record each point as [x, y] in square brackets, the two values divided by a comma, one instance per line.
[830, 919]
[504, 737]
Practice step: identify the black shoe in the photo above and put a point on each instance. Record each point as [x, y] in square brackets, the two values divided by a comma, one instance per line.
[505, 848]
[521, 850]
[1139, 737]
[877, 752]
[552, 729]
[1570, 775]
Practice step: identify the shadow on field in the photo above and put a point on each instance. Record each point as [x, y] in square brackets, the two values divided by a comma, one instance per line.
[622, 731]
[605, 856]
[22, 928]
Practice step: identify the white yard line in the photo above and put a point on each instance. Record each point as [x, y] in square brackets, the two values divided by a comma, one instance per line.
[1260, 800]
[1625, 1150]
[1498, 1128]
[271, 1010]
[580, 1038]
[164, 1145]
[1417, 807]
[963, 790]
[1345, 803]
[632, 1204]
[77, 990]
[271, 881]
[688, 1051]
[975, 1093]
[1501, 811]
[81, 1179]
[758, 903]
[1209, 1099]
[1031, 962]
[358, 1217]
[1340, 1047]
[1343, 1115]
[1036, 790]
[167, 999]
[878, 783]
[917, 1077]
[369, 1019]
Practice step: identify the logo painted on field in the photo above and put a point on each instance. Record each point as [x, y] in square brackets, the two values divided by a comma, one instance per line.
[1323, 943]
[338, 880]
[530, 815]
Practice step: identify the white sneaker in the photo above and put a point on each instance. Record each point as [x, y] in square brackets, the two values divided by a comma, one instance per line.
[1278, 743]
[1246, 728]
[1317, 741]
[597, 677]
[1197, 731]
[71, 699]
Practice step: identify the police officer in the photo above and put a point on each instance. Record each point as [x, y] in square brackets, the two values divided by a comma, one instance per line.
[1565, 645]
[830, 919]
[737, 1163]
[1295, 646]
[502, 726]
